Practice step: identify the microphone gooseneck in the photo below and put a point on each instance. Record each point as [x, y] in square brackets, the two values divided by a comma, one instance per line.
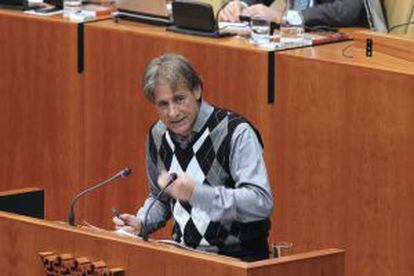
[144, 233]
[124, 173]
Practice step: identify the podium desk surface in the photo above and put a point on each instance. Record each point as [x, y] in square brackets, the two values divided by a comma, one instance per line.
[22, 238]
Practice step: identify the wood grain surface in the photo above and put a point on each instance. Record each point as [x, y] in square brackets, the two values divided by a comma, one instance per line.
[344, 135]
[22, 238]
[40, 108]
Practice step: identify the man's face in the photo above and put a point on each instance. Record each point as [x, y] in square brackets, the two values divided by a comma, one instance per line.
[178, 110]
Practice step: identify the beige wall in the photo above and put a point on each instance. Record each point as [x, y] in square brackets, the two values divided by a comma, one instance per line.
[399, 12]
[215, 3]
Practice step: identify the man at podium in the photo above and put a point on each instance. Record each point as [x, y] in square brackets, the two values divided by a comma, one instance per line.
[219, 197]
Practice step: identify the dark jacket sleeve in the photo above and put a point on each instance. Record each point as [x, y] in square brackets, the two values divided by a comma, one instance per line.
[252, 2]
[336, 13]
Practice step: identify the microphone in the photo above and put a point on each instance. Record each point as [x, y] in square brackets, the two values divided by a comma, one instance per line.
[124, 173]
[144, 233]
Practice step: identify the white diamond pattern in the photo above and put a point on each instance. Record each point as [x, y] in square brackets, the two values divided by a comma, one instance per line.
[175, 165]
[181, 215]
[201, 220]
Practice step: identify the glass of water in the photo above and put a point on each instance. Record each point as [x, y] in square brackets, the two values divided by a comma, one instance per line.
[292, 28]
[282, 248]
[71, 7]
[260, 30]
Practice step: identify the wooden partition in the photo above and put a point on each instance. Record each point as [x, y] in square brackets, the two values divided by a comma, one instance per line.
[344, 132]
[22, 239]
[40, 107]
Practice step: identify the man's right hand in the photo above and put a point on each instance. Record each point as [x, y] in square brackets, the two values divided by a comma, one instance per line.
[128, 223]
[231, 11]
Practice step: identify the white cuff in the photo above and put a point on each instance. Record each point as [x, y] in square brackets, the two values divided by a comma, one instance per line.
[294, 17]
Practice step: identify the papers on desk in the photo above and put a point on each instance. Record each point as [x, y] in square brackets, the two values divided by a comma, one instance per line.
[323, 38]
[81, 16]
[174, 243]
[34, 12]
[239, 28]
[124, 233]
[237, 25]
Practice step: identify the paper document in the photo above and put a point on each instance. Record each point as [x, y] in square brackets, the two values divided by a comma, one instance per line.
[124, 233]
[43, 14]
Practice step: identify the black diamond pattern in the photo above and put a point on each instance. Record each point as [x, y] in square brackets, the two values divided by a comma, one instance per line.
[186, 206]
[152, 149]
[166, 153]
[177, 235]
[205, 155]
[216, 233]
[216, 117]
[191, 235]
[184, 156]
[223, 154]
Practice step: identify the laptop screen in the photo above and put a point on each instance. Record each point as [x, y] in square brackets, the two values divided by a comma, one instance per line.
[13, 3]
[56, 3]
[148, 7]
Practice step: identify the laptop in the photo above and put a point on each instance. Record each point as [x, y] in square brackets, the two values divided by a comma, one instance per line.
[376, 16]
[14, 4]
[56, 5]
[148, 11]
[195, 18]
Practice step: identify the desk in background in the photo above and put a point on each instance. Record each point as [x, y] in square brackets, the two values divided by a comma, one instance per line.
[338, 137]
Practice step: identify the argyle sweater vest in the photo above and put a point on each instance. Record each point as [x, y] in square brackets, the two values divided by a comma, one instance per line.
[206, 159]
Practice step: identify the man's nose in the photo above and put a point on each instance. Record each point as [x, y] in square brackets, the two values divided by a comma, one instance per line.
[172, 110]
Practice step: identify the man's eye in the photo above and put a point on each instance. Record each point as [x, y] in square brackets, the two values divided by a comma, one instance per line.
[162, 104]
[179, 99]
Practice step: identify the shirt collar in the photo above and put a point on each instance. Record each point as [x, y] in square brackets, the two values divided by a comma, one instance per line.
[203, 114]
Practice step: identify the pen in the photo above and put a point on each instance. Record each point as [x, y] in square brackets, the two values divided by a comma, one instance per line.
[116, 213]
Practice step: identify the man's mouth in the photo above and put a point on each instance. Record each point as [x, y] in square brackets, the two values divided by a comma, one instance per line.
[175, 122]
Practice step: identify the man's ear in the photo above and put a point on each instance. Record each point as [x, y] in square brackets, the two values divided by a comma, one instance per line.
[197, 92]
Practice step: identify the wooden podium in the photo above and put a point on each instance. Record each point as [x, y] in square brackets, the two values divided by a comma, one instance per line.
[23, 238]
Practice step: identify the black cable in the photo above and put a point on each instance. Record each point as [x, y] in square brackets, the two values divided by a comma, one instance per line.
[345, 49]
[321, 28]
[399, 25]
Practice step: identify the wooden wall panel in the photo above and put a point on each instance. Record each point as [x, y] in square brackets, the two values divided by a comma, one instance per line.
[40, 115]
[344, 142]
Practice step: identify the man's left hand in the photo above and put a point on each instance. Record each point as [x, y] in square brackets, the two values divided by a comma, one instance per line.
[264, 12]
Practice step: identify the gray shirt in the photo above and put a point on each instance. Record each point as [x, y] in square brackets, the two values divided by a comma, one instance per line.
[250, 200]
